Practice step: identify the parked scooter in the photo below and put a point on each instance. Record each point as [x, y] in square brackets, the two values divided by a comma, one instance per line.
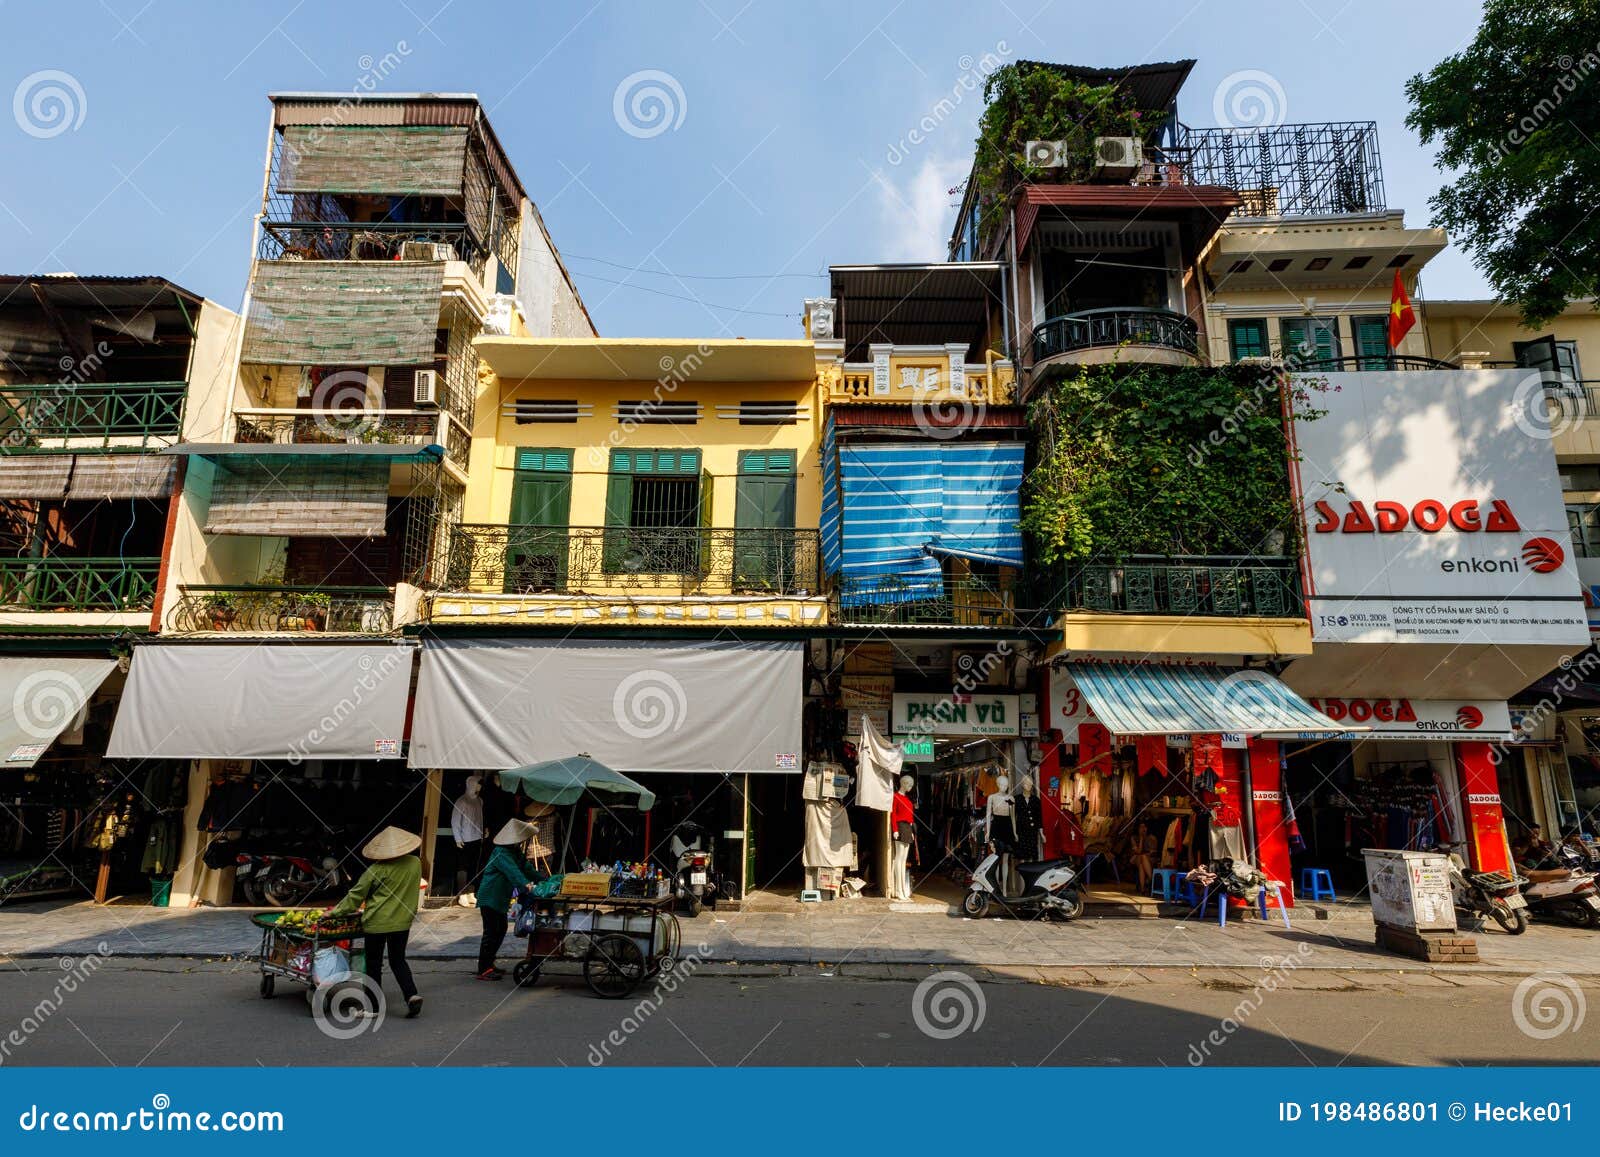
[1568, 892]
[1050, 889]
[276, 881]
[694, 880]
[1492, 894]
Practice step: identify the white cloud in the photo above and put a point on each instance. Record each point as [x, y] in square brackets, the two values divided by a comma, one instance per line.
[916, 209]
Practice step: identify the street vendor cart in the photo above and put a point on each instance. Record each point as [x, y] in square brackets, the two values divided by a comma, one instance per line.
[308, 949]
[620, 941]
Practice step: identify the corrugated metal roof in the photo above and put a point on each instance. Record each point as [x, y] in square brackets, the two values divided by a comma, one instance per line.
[98, 291]
[916, 304]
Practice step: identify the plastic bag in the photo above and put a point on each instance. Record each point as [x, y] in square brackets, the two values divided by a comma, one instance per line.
[330, 966]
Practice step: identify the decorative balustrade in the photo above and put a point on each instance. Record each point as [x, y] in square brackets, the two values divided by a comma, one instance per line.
[263, 609]
[57, 583]
[577, 559]
[49, 417]
[855, 385]
[1101, 328]
[1211, 587]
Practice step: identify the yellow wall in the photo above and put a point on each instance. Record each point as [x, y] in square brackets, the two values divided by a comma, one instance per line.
[1276, 304]
[1457, 332]
[496, 440]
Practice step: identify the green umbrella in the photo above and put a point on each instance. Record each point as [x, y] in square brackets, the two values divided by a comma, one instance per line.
[564, 781]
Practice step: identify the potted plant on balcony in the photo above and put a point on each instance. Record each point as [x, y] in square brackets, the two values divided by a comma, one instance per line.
[222, 611]
[313, 611]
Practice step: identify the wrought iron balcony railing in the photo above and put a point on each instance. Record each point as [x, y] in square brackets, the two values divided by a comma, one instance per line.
[266, 609]
[52, 416]
[389, 427]
[368, 241]
[1096, 328]
[567, 560]
[1371, 362]
[953, 602]
[1223, 587]
[57, 583]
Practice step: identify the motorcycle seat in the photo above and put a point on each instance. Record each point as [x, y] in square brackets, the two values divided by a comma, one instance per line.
[1033, 869]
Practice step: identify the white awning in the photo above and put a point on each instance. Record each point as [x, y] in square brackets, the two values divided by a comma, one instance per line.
[498, 703]
[41, 698]
[264, 701]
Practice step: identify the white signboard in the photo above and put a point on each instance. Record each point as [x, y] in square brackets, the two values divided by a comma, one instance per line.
[956, 714]
[1400, 718]
[866, 693]
[1433, 513]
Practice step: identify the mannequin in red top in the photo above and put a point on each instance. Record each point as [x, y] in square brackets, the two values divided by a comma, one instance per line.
[902, 832]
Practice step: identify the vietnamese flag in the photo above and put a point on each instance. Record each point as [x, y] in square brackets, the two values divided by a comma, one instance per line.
[1401, 315]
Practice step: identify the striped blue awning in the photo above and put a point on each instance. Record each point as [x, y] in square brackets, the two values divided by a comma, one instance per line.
[1161, 700]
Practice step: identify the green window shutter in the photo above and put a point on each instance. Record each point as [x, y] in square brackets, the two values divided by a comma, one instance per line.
[1247, 338]
[619, 499]
[1311, 337]
[546, 461]
[668, 462]
[705, 498]
[766, 462]
[1372, 342]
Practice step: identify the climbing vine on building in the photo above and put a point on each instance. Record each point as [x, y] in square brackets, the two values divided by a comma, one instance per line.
[1163, 460]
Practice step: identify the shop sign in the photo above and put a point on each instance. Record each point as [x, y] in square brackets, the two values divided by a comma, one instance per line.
[917, 750]
[1399, 718]
[956, 714]
[386, 747]
[1432, 515]
[1267, 796]
[870, 693]
[1483, 798]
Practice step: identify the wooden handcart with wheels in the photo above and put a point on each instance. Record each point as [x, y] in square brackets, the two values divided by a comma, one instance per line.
[619, 941]
[291, 953]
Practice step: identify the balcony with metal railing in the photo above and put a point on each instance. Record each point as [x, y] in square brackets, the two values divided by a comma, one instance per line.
[59, 583]
[1221, 586]
[79, 417]
[954, 601]
[272, 609]
[1127, 334]
[662, 561]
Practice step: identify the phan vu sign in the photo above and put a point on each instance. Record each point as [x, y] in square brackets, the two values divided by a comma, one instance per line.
[956, 714]
[1432, 515]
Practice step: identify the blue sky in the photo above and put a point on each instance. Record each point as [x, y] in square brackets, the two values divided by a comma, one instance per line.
[786, 150]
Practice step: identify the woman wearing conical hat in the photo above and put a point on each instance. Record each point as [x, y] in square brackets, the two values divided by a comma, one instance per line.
[387, 895]
[506, 873]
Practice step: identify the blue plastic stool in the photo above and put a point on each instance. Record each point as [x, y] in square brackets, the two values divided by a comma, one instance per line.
[1188, 893]
[1277, 892]
[1316, 884]
[1165, 884]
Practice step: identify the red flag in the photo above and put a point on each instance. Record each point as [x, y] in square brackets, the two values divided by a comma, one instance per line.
[1401, 315]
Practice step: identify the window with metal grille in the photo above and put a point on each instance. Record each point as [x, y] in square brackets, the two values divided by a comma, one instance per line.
[764, 413]
[656, 504]
[1584, 522]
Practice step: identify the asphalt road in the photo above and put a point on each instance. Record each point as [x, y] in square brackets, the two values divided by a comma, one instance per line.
[179, 1013]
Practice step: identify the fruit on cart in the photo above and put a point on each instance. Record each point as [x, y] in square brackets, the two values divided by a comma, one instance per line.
[317, 922]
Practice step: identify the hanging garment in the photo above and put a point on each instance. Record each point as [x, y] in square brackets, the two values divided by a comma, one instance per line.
[466, 818]
[1172, 842]
[828, 838]
[878, 762]
[1227, 842]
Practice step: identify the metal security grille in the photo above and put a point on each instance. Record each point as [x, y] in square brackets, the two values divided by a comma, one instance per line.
[665, 502]
[396, 159]
[380, 313]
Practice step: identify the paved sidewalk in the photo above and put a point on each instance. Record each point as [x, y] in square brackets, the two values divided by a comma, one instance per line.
[853, 934]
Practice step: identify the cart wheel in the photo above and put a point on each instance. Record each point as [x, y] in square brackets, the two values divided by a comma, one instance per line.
[672, 936]
[268, 983]
[525, 974]
[614, 968]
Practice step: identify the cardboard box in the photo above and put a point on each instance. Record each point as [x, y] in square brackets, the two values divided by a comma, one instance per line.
[586, 884]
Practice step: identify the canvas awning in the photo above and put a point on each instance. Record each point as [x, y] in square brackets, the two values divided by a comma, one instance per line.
[264, 701]
[43, 697]
[500, 703]
[1161, 700]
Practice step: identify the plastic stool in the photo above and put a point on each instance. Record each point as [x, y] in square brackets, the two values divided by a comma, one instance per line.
[1192, 894]
[1316, 884]
[1277, 893]
[1165, 884]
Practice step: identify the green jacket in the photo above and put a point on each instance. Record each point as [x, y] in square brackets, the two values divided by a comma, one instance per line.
[387, 894]
[503, 874]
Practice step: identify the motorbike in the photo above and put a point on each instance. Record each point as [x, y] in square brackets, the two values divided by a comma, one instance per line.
[1567, 892]
[1492, 894]
[1050, 889]
[287, 881]
[694, 880]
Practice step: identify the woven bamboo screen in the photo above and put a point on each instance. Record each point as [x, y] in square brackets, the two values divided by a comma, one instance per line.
[375, 313]
[396, 159]
[35, 475]
[105, 476]
[323, 497]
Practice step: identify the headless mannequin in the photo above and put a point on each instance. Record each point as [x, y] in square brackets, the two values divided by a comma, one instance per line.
[466, 825]
[900, 849]
[1027, 818]
[999, 827]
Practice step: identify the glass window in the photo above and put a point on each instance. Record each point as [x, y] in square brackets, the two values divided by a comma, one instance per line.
[1247, 338]
[1551, 356]
[1310, 338]
[1584, 522]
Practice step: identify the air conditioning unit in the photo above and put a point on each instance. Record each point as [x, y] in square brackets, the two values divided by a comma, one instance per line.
[1118, 156]
[427, 251]
[425, 388]
[1045, 154]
